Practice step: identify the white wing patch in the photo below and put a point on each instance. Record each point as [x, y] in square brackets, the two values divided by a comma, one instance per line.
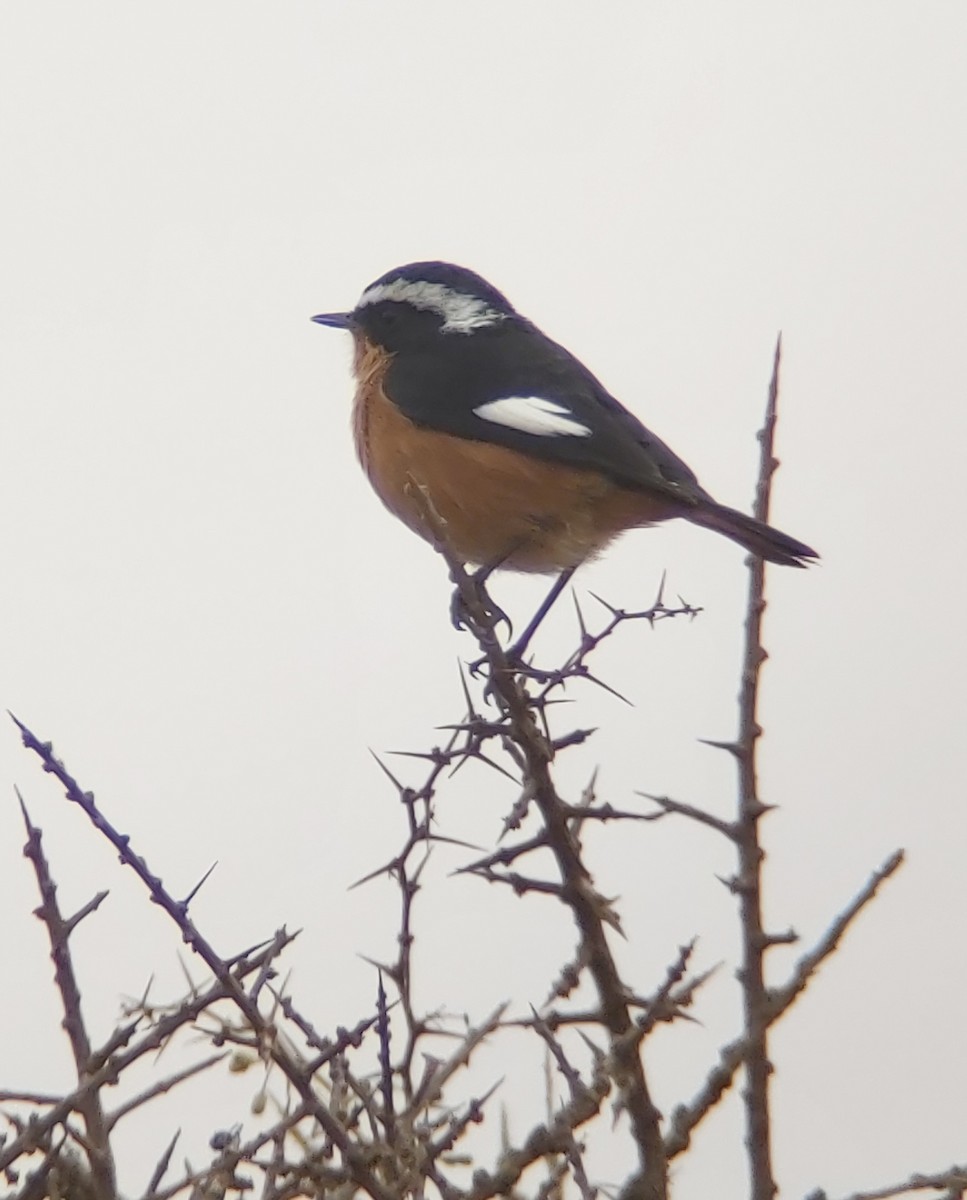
[533, 414]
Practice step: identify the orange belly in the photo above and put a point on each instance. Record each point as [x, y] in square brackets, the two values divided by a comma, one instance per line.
[493, 505]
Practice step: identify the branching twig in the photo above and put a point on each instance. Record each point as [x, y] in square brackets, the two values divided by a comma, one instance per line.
[96, 1141]
[388, 1122]
[590, 910]
[294, 1070]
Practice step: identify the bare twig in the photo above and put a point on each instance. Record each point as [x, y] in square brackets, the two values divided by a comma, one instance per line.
[676, 807]
[161, 1167]
[110, 1061]
[590, 910]
[781, 998]
[96, 1141]
[163, 1086]
[292, 1067]
[748, 882]
[952, 1182]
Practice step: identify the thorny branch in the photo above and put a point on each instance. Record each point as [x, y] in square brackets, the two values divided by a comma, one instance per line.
[59, 930]
[591, 911]
[748, 881]
[778, 1001]
[267, 1042]
[375, 1108]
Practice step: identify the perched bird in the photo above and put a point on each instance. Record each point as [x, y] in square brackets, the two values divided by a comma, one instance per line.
[464, 408]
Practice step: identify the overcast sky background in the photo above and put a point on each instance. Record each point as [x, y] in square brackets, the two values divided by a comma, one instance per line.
[209, 613]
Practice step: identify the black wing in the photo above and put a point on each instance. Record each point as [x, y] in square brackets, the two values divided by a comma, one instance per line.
[441, 386]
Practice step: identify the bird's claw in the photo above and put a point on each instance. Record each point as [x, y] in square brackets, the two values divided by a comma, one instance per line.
[492, 613]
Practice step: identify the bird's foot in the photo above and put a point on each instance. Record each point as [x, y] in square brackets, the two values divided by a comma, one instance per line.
[483, 611]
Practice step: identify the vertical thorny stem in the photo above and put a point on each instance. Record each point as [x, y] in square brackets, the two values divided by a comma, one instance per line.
[587, 906]
[755, 941]
[59, 929]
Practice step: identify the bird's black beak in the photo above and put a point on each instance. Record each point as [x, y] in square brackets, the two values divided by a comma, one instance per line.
[336, 320]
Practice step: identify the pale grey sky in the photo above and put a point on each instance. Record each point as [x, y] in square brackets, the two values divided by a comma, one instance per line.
[213, 618]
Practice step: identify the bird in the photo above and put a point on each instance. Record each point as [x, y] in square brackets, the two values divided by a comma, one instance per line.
[475, 427]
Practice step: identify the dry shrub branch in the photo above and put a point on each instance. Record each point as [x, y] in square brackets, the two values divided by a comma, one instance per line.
[383, 1106]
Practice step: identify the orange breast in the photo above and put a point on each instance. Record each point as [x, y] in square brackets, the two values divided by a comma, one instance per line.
[496, 505]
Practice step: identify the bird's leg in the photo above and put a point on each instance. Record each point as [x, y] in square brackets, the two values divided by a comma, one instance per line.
[437, 528]
[517, 649]
[479, 578]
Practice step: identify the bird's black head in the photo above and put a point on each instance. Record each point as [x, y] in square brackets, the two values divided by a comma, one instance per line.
[421, 301]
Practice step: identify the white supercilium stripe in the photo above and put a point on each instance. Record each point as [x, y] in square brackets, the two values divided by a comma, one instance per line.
[461, 313]
[532, 414]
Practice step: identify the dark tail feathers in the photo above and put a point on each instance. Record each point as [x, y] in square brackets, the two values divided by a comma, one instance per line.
[756, 537]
